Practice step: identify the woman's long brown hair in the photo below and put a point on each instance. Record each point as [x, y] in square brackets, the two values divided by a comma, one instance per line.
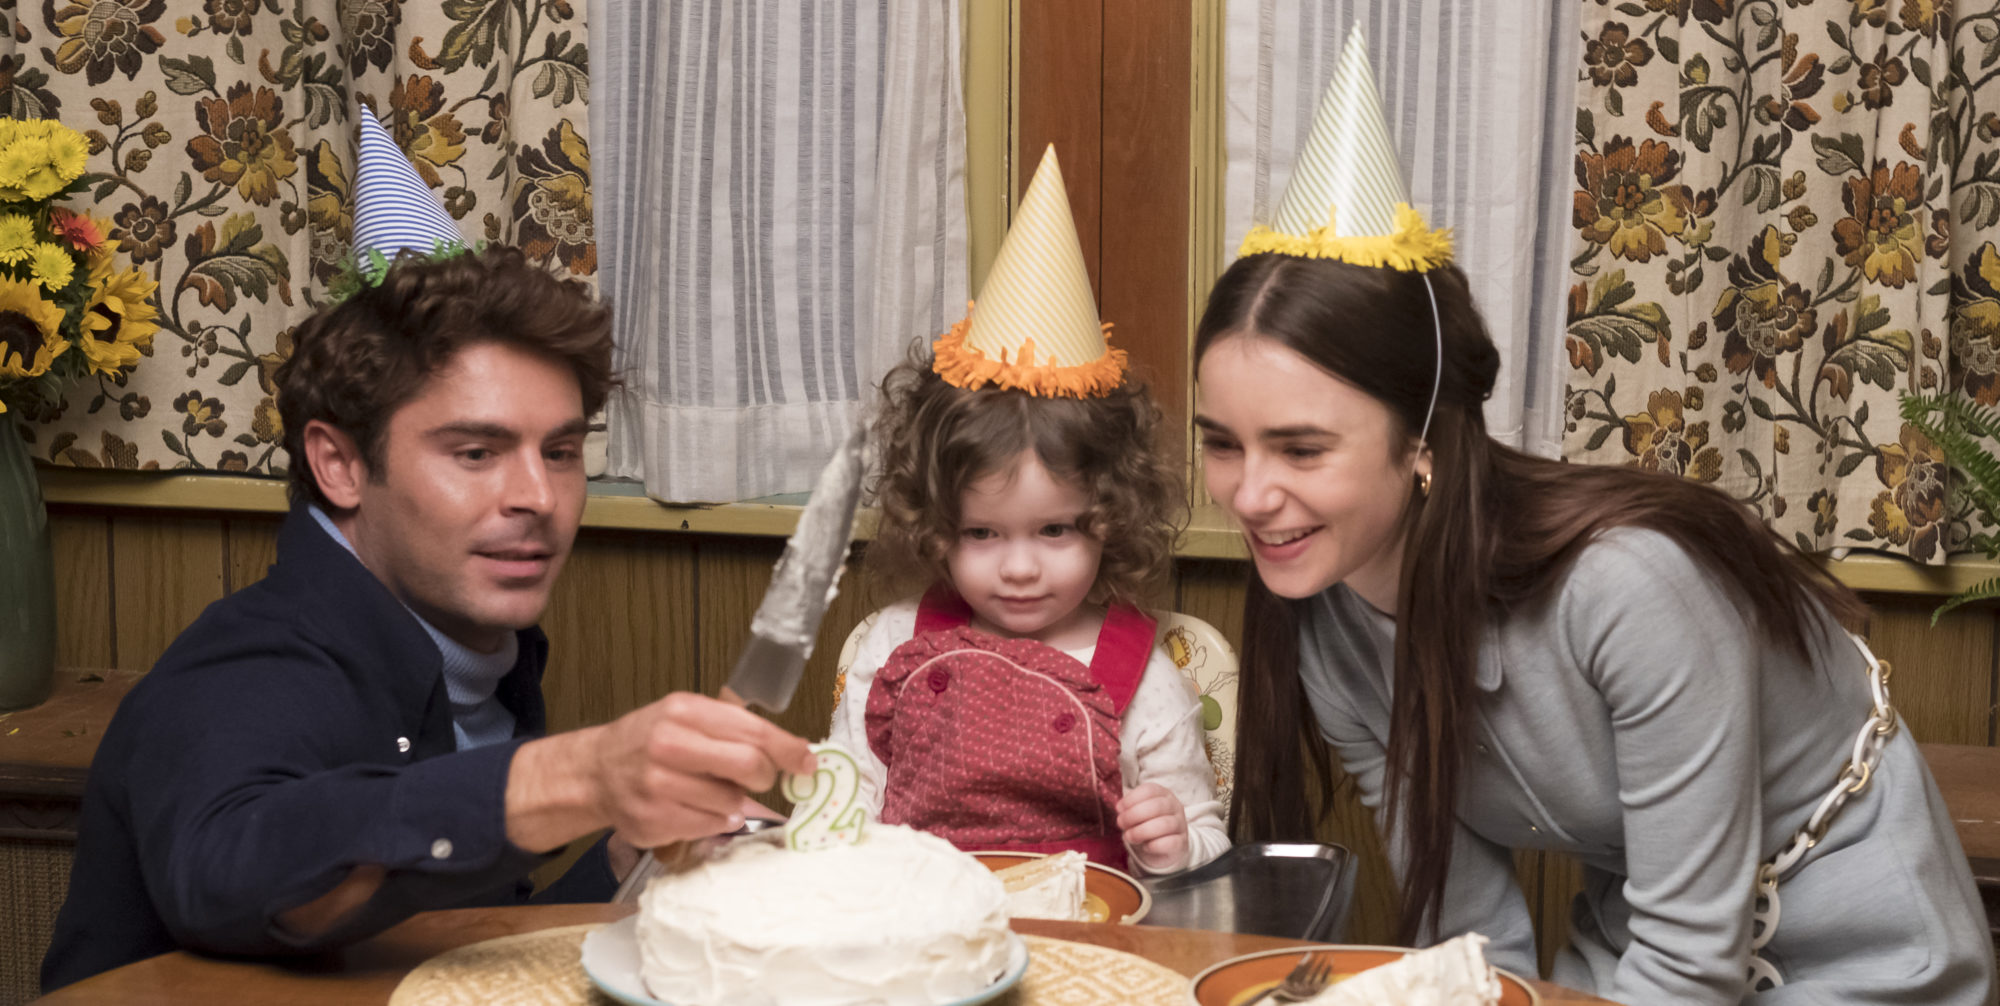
[1496, 534]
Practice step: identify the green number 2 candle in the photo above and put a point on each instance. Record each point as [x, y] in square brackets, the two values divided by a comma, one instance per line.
[826, 806]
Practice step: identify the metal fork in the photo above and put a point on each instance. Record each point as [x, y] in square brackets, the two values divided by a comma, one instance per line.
[1309, 978]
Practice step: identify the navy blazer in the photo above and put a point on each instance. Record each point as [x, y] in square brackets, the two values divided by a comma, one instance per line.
[297, 729]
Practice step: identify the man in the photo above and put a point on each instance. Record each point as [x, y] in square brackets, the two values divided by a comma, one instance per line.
[357, 737]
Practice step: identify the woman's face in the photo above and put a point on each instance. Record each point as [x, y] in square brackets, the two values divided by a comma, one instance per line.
[1316, 471]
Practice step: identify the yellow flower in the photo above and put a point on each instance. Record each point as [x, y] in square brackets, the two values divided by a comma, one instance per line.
[105, 255]
[17, 238]
[119, 322]
[29, 337]
[28, 166]
[69, 152]
[52, 265]
[17, 160]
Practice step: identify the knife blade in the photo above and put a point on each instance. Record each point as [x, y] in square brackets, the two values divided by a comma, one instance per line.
[802, 584]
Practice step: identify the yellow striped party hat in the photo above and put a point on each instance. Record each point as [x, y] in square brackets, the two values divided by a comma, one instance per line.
[1034, 326]
[1346, 199]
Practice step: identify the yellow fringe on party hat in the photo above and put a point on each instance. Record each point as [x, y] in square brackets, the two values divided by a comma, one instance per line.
[1411, 247]
[1347, 176]
[1035, 325]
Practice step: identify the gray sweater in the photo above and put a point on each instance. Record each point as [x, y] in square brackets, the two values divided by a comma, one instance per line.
[1639, 723]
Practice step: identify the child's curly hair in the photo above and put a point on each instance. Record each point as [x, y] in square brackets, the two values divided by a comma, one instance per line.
[935, 439]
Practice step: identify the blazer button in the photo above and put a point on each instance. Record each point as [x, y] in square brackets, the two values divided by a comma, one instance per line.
[403, 744]
[1064, 723]
[441, 849]
[939, 680]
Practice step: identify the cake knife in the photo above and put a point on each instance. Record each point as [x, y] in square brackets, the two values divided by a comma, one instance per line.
[785, 625]
[802, 585]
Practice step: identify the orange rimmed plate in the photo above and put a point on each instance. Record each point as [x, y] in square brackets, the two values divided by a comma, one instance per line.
[1108, 895]
[1239, 979]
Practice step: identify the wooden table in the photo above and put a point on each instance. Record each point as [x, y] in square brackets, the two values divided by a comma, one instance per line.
[1969, 778]
[45, 752]
[367, 973]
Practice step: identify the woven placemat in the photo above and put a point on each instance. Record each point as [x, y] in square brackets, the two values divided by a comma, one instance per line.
[545, 968]
[1062, 973]
[542, 968]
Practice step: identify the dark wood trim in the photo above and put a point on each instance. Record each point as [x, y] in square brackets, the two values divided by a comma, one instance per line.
[1110, 85]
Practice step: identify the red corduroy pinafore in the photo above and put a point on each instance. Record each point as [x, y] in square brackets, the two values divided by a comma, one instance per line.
[1006, 744]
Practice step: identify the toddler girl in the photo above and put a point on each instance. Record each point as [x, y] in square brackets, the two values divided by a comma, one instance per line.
[1020, 703]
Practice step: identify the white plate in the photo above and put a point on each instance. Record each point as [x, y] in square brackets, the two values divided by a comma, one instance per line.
[611, 959]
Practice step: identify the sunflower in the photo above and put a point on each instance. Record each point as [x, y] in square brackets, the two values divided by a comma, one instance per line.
[29, 340]
[52, 265]
[119, 322]
[105, 255]
[17, 238]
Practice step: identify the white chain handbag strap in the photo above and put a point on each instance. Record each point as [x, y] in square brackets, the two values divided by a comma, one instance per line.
[1855, 776]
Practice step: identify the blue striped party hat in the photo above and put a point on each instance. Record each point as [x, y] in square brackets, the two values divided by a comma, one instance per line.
[1346, 199]
[393, 209]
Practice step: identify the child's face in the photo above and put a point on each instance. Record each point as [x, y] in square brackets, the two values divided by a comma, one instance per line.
[1019, 561]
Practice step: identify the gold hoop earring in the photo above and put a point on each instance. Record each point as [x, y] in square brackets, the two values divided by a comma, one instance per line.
[1424, 485]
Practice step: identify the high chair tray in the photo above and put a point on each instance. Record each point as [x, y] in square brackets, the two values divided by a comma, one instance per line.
[1297, 890]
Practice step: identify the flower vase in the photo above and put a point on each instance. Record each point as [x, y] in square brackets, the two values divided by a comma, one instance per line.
[27, 578]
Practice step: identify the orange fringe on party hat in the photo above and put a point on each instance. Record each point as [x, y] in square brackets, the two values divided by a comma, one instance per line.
[966, 367]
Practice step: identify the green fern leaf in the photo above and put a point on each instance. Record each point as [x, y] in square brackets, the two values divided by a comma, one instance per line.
[1982, 591]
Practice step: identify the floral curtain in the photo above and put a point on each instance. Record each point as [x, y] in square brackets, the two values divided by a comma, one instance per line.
[222, 153]
[1784, 218]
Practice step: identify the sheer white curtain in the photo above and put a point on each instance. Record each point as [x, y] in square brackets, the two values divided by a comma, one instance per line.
[780, 210]
[1480, 101]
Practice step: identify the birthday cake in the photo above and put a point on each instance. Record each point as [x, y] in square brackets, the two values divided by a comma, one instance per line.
[899, 918]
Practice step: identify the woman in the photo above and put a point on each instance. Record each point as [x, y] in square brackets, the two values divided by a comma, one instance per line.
[1509, 652]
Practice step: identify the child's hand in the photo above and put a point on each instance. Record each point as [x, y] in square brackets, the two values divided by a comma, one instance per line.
[1155, 825]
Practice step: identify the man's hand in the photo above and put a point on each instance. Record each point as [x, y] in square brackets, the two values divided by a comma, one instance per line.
[1155, 827]
[672, 770]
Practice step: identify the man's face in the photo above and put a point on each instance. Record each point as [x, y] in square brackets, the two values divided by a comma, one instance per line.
[478, 495]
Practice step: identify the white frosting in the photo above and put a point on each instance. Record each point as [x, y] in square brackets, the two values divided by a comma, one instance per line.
[900, 919]
[1453, 973]
[1056, 893]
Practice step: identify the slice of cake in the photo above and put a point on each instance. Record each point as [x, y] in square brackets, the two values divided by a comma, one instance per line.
[1453, 973]
[899, 919]
[1047, 888]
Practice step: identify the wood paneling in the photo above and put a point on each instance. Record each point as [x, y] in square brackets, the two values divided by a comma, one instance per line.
[1212, 590]
[1111, 88]
[166, 568]
[253, 547]
[81, 546]
[1061, 99]
[1144, 194]
[621, 627]
[1942, 680]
